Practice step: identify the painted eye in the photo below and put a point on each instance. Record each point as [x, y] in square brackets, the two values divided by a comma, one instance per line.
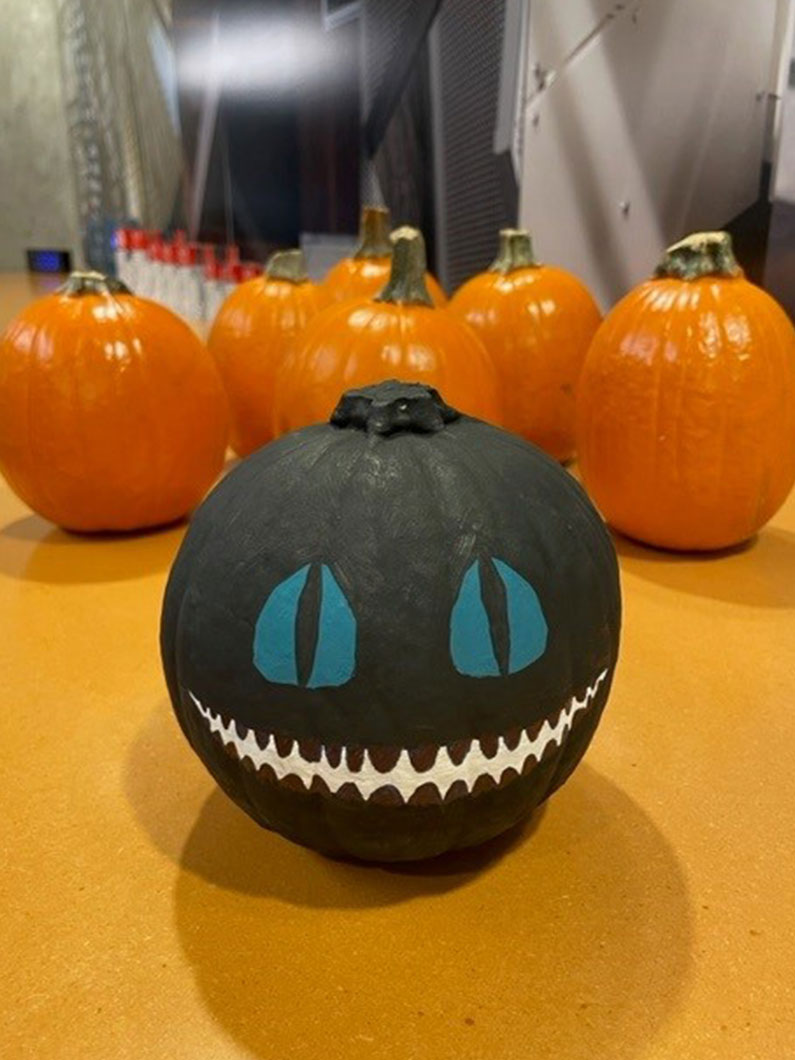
[497, 625]
[471, 645]
[306, 632]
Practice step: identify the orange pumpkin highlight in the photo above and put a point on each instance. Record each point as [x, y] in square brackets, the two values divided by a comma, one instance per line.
[537, 322]
[686, 417]
[365, 273]
[397, 334]
[252, 333]
[112, 414]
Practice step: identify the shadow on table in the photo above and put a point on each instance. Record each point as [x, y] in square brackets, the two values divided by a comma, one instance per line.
[574, 930]
[164, 782]
[229, 850]
[32, 549]
[571, 938]
[760, 572]
[208, 835]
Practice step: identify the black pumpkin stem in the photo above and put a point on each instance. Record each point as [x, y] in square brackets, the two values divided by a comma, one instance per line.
[287, 265]
[516, 251]
[374, 241]
[81, 283]
[700, 254]
[393, 406]
[406, 284]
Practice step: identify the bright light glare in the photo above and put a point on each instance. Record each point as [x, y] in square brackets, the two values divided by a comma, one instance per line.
[272, 54]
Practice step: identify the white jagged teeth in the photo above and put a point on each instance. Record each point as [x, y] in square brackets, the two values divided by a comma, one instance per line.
[403, 776]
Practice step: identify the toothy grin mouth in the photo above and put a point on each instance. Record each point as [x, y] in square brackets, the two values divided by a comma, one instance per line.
[394, 776]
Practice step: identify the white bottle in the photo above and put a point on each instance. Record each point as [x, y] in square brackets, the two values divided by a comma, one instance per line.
[190, 276]
[137, 266]
[172, 270]
[168, 275]
[213, 289]
[154, 268]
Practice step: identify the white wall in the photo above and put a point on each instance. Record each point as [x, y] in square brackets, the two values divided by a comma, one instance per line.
[783, 183]
[643, 121]
[38, 206]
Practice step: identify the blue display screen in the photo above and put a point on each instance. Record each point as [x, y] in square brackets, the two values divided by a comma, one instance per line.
[49, 261]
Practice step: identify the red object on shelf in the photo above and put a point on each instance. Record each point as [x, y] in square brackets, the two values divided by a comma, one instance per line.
[187, 253]
[232, 272]
[139, 239]
[212, 267]
[122, 240]
[249, 270]
[168, 253]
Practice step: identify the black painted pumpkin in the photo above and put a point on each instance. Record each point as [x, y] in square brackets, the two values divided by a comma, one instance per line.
[393, 634]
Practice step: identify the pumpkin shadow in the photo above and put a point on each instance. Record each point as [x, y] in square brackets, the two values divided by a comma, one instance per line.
[572, 942]
[229, 850]
[759, 572]
[32, 549]
[194, 823]
[164, 782]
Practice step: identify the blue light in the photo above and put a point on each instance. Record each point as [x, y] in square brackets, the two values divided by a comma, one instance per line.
[48, 261]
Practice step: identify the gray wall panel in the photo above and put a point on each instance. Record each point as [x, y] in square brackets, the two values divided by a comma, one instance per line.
[38, 205]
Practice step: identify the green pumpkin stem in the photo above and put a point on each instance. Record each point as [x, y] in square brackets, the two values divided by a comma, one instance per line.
[406, 283]
[80, 283]
[287, 265]
[516, 251]
[701, 254]
[374, 239]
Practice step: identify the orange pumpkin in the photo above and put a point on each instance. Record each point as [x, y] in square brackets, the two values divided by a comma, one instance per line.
[397, 334]
[112, 414]
[364, 274]
[252, 332]
[537, 322]
[686, 416]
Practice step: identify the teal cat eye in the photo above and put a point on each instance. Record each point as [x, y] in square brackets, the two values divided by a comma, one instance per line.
[472, 646]
[276, 633]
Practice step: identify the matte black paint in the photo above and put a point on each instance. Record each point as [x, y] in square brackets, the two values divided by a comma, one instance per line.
[399, 496]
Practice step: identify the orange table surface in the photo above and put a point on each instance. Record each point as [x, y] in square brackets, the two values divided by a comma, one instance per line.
[646, 912]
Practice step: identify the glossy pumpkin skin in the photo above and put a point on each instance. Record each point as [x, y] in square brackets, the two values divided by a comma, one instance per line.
[686, 425]
[356, 278]
[112, 413]
[398, 332]
[252, 333]
[537, 323]
[356, 343]
[368, 269]
[425, 678]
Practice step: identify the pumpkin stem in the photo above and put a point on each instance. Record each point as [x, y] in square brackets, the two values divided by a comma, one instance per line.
[80, 283]
[374, 233]
[287, 265]
[701, 254]
[516, 251]
[392, 406]
[406, 283]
